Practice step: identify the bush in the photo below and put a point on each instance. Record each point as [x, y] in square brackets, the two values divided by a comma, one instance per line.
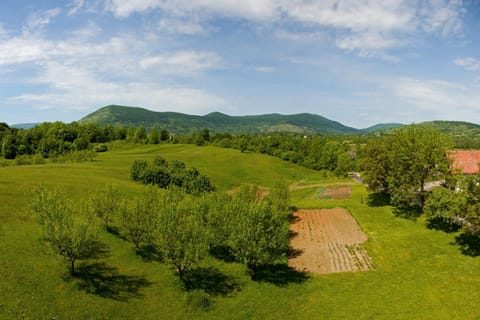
[23, 160]
[38, 159]
[4, 163]
[101, 148]
[164, 174]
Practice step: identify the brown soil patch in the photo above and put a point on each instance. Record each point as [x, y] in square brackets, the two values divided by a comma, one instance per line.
[338, 193]
[327, 241]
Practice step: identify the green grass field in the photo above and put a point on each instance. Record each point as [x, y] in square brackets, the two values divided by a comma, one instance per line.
[420, 273]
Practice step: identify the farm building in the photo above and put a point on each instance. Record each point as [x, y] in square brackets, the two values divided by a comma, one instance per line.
[466, 161]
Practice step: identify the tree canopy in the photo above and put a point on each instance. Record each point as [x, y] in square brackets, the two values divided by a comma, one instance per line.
[401, 163]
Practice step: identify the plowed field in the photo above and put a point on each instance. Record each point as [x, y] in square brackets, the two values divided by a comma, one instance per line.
[327, 241]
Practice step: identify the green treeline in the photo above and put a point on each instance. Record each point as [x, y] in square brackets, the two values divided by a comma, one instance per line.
[53, 140]
[176, 228]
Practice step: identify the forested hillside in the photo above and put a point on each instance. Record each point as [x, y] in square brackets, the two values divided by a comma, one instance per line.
[180, 123]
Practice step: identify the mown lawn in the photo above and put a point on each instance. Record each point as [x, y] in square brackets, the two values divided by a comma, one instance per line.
[420, 273]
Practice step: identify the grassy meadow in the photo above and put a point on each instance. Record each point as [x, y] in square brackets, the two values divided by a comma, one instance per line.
[420, 273]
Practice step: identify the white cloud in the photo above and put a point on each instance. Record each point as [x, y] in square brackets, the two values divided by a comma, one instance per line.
[354, 15]
[469, 63]
[367, 26]
[73, 88]
[40, 19]
[81, 73]
[185, 63]
[368, 41]
[247, 9]
[181, 26]
[303, 36]
[123, 8]
[441, 99]
[75, 6]
[442, 16]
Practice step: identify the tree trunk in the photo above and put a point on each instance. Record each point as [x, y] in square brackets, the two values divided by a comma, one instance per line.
[253, 268]
[72, 267]
[180, 272]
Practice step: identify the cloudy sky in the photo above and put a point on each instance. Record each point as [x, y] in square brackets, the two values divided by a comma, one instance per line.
[359, 62]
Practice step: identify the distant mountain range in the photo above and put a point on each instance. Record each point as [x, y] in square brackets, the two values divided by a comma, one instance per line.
[219, 122]
[24, 125]
[181, 123]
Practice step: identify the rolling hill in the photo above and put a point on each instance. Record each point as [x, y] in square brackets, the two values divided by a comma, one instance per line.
[216, 121]
[181, 123]
[383, 127]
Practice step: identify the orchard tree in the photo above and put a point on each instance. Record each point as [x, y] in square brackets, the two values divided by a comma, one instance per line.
[181, 234]
[105, 202]
[260, 235]
[70, 231]
[138, 216]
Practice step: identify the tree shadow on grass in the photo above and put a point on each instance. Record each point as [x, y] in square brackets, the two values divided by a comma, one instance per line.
[378, 199]
[104, 281]
[149, 253]
[280, 275]
[469, 244]
[211, 280]
[99, 250]
[115, 231]
[407, 212]
[223, 253]
[442, 224]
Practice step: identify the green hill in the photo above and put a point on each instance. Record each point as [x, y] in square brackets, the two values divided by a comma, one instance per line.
[216, 121]
[383, 127]
[465, 135]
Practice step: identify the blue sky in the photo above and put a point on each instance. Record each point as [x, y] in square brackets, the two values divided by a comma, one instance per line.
[360, 62]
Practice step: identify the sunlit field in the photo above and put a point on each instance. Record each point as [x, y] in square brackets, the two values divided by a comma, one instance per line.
[419, 273]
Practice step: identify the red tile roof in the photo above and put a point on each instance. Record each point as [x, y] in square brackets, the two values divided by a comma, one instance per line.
[467, 161]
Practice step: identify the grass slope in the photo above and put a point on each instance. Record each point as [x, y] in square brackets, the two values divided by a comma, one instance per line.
[216, 122]
[420, 273]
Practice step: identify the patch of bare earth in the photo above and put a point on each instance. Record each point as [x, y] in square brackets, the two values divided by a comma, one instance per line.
[327, 241]
[338, 193]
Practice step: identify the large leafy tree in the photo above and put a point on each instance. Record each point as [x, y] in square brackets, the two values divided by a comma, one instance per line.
[458, 205]
[401, 164]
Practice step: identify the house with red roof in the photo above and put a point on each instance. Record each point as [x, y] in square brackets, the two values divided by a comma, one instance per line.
[465, 161]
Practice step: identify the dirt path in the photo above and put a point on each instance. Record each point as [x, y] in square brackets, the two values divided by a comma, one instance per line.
[326, 241]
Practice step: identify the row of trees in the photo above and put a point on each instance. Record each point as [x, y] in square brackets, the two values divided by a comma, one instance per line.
[183, 229]
[53, 139]
[50, 140]
[163, 174]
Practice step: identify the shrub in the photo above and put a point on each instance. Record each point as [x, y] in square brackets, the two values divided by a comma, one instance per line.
[23, 160]
[164, 174]
[101, 148]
